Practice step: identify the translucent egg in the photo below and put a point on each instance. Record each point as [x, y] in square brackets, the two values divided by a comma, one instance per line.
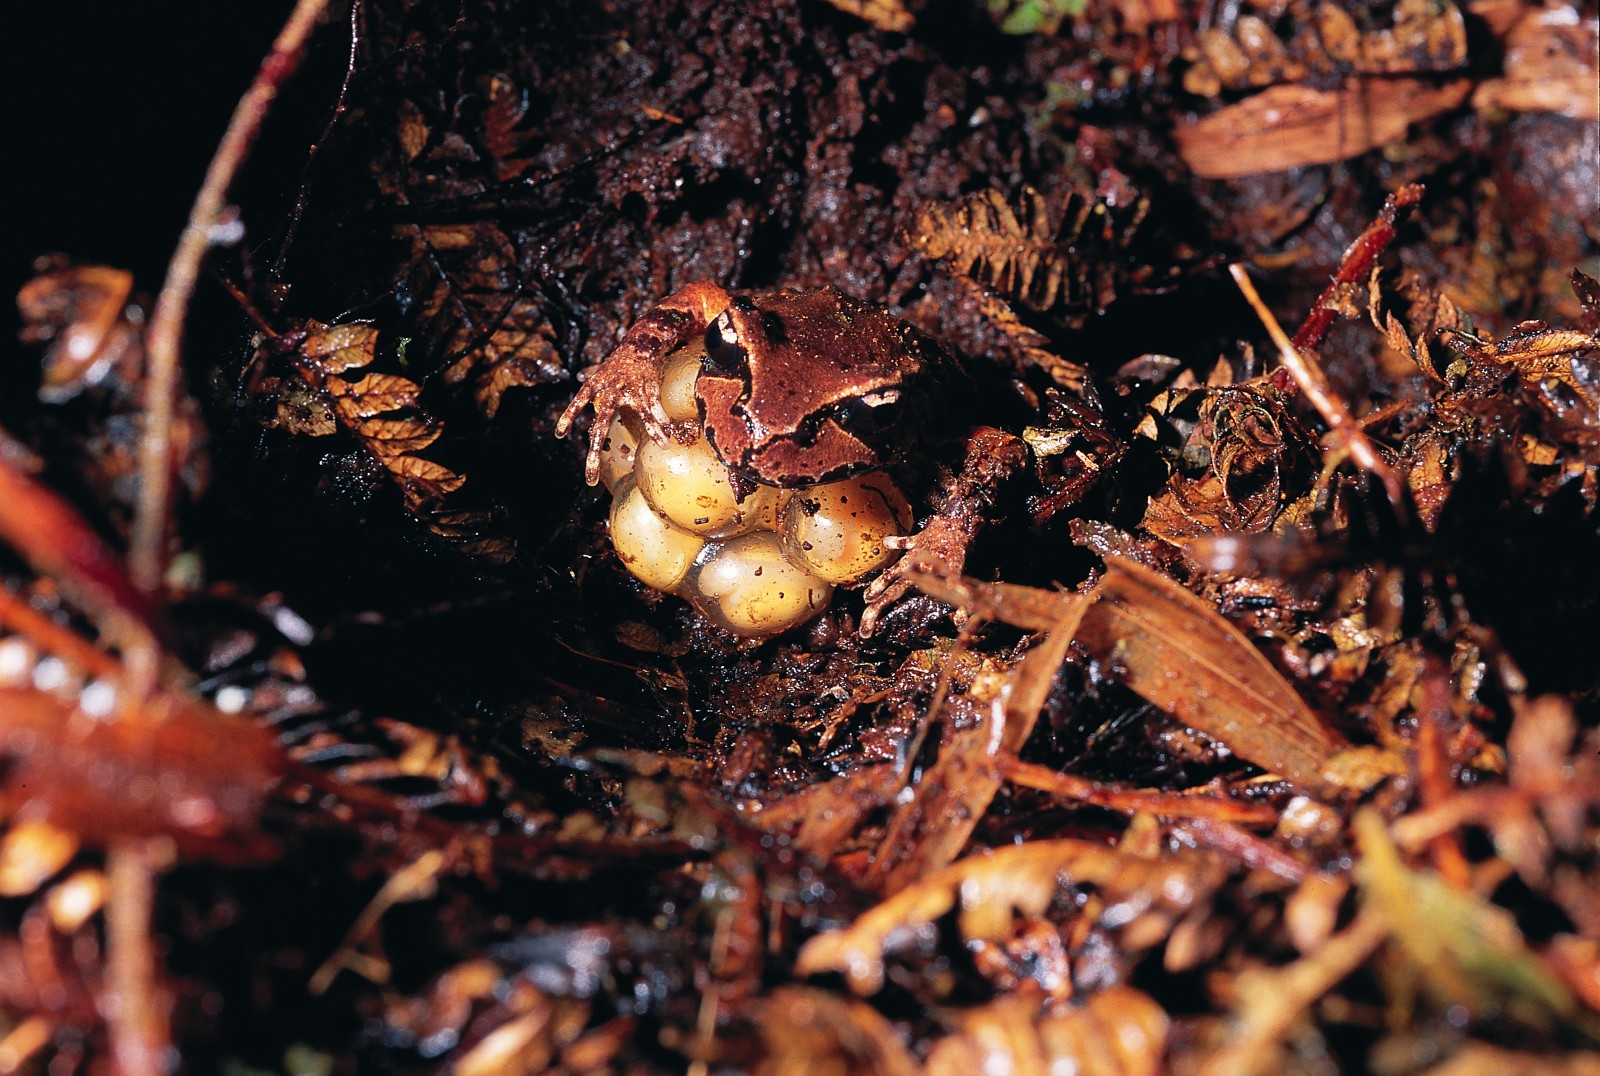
[745, 586]
[655, 551]
[690, 486]
[677, 381]
[836, 530]
[621, 451]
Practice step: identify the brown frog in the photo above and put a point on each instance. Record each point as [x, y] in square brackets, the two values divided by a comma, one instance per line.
[803, 387]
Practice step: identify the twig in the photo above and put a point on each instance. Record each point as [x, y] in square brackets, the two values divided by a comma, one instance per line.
[1247, 848]
[52, 638]
[1355, 264]
[135, 1005]
[1154, 801]
[147, 558]
[1314, 383]
[137, 1021]
[341, 103]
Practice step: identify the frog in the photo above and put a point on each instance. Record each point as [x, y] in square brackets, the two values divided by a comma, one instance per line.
[802, 387]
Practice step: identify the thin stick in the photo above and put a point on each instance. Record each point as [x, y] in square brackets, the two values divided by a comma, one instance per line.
[136, 1016]
[1355, 264]
[1314, 383]
[137, 1021]
[147, 558]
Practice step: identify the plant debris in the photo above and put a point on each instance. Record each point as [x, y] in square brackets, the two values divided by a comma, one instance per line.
[1233, 709]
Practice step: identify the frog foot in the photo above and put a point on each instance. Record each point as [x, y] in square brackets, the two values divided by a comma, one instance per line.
[629, 381]
[939, 548]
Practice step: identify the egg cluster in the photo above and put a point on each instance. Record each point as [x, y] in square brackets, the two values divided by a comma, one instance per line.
[753, 567]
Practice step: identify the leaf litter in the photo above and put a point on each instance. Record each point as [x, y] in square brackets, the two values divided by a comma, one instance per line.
[1258, 735]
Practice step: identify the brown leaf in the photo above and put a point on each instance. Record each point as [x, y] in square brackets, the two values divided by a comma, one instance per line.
[931, 827]
[1289, 126]
[505, 137]
[1029, 343]
[519, 352]
[805, 1031]
[337, 348]
[475, 533]
[1180, 654]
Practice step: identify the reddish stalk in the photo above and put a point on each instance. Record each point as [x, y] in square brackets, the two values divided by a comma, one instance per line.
[147, 558]
[1132, 800]
[1356, 264]
[1246, 848]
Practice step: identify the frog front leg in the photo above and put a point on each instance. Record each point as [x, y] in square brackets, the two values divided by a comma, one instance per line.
[629, 379]
[940, 547]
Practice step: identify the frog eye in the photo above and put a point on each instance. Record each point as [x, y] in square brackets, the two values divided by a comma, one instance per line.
[871, 413]
[724, 354]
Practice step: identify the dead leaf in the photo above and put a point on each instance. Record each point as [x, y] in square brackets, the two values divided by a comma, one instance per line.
[1294, 125]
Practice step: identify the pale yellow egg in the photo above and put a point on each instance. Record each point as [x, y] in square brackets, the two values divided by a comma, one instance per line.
[620, 453]
[690, 486]
[654, 550]
[837, 530]
[746, 587]
[677, 381]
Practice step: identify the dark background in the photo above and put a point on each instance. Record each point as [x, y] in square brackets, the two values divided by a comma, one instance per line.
[116, 111]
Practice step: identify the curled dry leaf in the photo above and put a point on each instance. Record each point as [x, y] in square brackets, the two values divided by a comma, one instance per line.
[988, 888]
[1115, 1032]
[1293, 125]
[806, 1031]
[83, 317]
[1535, 350]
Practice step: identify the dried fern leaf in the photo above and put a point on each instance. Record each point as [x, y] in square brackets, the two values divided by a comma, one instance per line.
[379, 410]
[1021, 251]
